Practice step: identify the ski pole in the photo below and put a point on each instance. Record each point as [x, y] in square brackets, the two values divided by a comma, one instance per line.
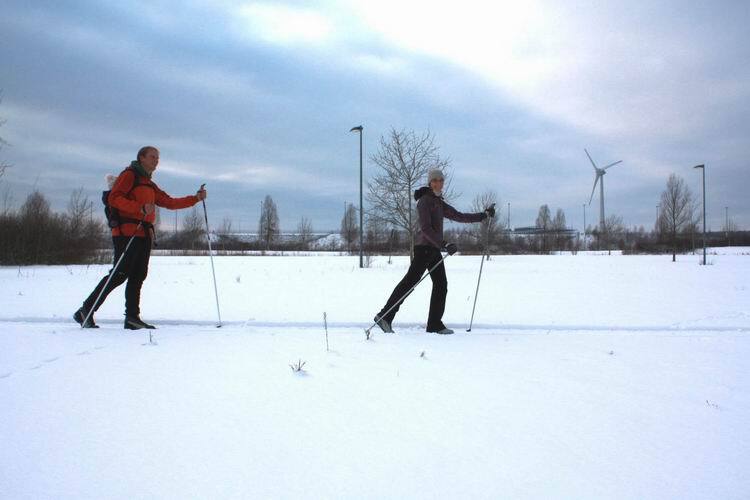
[111, 275]
[486, 251]
[211, 255]
[367, 330]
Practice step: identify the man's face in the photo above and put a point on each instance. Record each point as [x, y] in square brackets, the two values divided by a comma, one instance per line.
[150, 160]
[437, 185]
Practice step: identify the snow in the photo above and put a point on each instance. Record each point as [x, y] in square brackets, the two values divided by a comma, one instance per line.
[587, 376]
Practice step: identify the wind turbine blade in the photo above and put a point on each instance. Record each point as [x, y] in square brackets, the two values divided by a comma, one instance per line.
[612, 165]
[592, 161]
[594, 188]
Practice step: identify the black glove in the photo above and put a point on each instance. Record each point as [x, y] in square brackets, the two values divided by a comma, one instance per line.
[451, 248]
[490, 211]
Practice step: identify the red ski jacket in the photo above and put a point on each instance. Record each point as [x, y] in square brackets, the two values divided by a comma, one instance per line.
[130, 203]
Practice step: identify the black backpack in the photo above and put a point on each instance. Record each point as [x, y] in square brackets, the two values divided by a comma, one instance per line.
[113, 215]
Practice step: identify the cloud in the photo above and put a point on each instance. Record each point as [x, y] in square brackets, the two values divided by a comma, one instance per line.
[616, 71]
[283, 24]
[609, 70]
[258, 177]
[45, 133]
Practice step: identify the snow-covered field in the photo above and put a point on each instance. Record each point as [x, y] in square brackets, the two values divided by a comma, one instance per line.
[586, 376]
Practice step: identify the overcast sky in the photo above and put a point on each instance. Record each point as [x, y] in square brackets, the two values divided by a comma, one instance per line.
[257, 98]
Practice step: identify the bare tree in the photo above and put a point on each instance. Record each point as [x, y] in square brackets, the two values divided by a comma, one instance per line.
[7, 202]
[543, 224]
[660, 226]
[403, 159]
[36, 208]
[728, 228]
[615, 229]
[157, 219]
[393, 242]
[223, 233]
[349, 226]
[677, 210]
[268, 226]
[3, 165]
[304, 232]
[376, 235]
[226, 227]
[83, 233]
[38, 227]
[558, 226]
[79, 212]
[36, 235]
[192, 223]
[488, 229]
[191, 234]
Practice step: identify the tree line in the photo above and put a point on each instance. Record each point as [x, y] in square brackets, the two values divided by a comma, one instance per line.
[34, 234]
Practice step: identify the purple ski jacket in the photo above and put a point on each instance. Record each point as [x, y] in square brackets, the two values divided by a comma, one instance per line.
[431, 209]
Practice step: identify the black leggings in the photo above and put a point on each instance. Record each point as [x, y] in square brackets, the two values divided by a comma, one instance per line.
[425, 257]
[133, 269]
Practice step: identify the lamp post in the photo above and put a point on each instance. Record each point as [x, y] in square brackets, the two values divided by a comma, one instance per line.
[726, 224]
[508, 216]
[657, 227]
[584, 227]
[360, 129]
[703, 168]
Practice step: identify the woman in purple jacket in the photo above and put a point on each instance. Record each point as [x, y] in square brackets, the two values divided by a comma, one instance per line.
[431, 208]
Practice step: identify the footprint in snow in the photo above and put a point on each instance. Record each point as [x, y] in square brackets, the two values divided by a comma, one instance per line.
[51, 360]
[83, 353]
[36, 367]
[5, 375]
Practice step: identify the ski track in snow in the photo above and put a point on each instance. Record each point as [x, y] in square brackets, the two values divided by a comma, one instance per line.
[173, 328]
[487, 327]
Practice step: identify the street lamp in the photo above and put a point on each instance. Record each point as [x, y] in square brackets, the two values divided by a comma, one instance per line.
[726, 224]
[584, 227]
[703, 168]
[360, 129]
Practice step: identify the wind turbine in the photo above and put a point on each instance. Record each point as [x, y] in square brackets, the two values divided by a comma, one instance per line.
[600, 179]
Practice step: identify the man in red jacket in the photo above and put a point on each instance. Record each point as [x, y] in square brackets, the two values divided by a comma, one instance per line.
[134, 196]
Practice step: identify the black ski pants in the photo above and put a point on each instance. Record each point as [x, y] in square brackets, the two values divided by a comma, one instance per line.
[425, 257]
[133, 269]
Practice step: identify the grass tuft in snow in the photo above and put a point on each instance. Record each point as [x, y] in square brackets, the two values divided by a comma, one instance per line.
[712, 405]
[297, 367]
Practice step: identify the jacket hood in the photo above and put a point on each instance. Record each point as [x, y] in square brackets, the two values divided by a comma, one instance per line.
[421, 192]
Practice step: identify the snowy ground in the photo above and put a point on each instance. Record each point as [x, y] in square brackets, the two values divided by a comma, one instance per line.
[585, 376]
